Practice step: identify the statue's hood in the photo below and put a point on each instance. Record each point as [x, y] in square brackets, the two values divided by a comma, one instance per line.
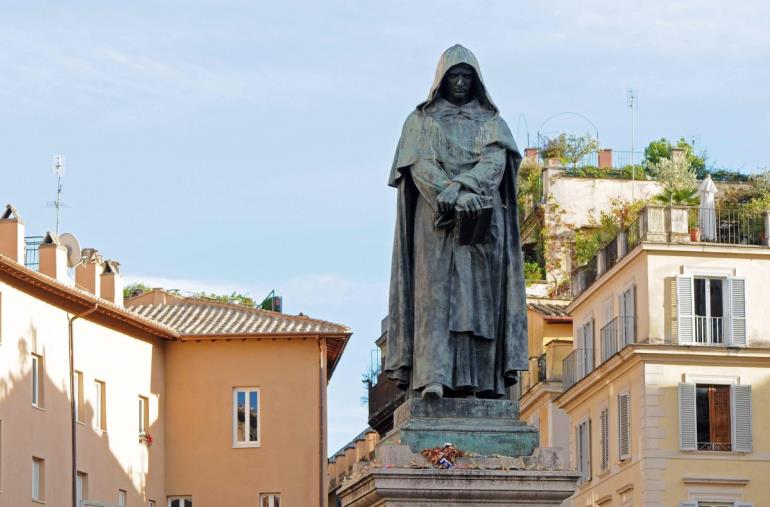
[455, 55]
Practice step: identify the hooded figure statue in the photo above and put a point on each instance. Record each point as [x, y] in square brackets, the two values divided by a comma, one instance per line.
[457, 312]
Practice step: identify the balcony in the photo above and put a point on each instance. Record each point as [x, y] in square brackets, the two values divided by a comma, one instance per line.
[669, 224]
[578, 364]
[618, 333]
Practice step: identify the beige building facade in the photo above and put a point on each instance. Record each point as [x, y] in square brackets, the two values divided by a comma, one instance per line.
[158, 401]
[667, 385]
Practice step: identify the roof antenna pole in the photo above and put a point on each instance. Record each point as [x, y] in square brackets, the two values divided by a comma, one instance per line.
[58, 171]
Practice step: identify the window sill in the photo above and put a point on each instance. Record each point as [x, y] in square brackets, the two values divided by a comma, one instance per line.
[42, 409]
[42, 502]
[247, 446]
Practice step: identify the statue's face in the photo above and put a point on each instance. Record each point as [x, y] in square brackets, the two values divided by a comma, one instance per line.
[458, 84]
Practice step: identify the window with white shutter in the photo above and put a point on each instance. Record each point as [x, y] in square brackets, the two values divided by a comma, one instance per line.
[588, 342]
[604, 420]
[583, 450]
[684, 310]
[737, 312]
[624, 426]
[740, 401]
[688, 432]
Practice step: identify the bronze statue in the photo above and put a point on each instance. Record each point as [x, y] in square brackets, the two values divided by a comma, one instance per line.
[457, 316]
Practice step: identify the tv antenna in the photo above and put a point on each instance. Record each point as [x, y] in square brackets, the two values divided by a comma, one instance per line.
[58, 171]
[632, 98]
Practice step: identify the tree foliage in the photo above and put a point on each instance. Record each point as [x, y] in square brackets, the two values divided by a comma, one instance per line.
[661, 149]
[605, 228]
[569, 148]
[135, 289]
[678, 179]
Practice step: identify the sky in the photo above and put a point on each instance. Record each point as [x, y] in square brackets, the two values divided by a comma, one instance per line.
[245, 145]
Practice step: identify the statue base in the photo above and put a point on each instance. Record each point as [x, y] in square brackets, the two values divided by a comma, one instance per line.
[400, 478]
[483, 427]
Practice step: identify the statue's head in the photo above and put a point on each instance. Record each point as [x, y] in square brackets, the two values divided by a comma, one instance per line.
[459, 84]
[458, 80]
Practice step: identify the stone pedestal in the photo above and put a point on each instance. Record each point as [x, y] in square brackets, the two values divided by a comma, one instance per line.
[484, 427]
[501, 467]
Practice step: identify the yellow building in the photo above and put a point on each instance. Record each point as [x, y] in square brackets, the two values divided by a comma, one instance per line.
[158, 401]
[550, 340]
[668, 384]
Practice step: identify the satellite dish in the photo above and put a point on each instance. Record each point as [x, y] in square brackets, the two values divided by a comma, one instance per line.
[72, 245]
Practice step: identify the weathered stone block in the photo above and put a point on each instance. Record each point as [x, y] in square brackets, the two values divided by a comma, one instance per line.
[484, 427]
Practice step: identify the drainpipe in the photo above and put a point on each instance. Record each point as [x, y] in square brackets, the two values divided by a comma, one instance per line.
[322, 427]
[73, 421]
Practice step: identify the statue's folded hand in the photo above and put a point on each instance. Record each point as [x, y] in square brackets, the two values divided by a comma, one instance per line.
[470, 203]
[448, 197]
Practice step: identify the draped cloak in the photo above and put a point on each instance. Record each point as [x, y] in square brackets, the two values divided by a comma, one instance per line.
[457, 313]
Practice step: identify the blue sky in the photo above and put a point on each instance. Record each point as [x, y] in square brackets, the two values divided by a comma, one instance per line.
[225, 145]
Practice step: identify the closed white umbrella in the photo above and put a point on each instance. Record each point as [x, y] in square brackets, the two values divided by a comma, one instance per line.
[707, 219]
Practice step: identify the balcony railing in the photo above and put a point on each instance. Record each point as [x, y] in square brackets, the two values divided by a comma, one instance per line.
[578, 364]
[730, 226]
[670, 224]
[618, 333]
[709, 330]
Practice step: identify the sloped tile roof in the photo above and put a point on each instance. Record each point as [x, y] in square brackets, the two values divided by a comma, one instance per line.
[195, 317]
[549, 310]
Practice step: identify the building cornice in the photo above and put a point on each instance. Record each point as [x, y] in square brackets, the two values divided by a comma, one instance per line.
[653, 248]
[637, 353]
[538, 392]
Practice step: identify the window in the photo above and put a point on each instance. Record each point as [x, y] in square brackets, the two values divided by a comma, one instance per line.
[37, 380]
[82, 487]
[269, 500]
[604, 421]
[38, 479]
[100, 402]
[711, 311]
[624, 426]
[714, 417]
[78, 395]
[245, 417]
[583, 450]
[121, 497]
[180, 501]
[627, 310]
[585, 360]
[150, 503]
[144, 415]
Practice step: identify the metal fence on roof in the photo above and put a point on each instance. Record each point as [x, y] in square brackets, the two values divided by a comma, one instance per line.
[31, 252]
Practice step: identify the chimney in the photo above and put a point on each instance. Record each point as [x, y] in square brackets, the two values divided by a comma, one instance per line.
[112, 283]
[605, 158]
[677, 155]
[88, 271]
[53, 258]
[530, 154]
[12, 235]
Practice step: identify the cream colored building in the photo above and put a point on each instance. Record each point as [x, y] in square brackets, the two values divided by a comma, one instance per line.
[156, 401]
[667, 388]
[549, 329]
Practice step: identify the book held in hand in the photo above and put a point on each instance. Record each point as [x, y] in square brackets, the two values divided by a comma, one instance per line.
[475, 230]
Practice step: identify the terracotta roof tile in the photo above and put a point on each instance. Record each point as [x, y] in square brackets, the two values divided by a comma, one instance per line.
[198, 317]
[549, 310]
